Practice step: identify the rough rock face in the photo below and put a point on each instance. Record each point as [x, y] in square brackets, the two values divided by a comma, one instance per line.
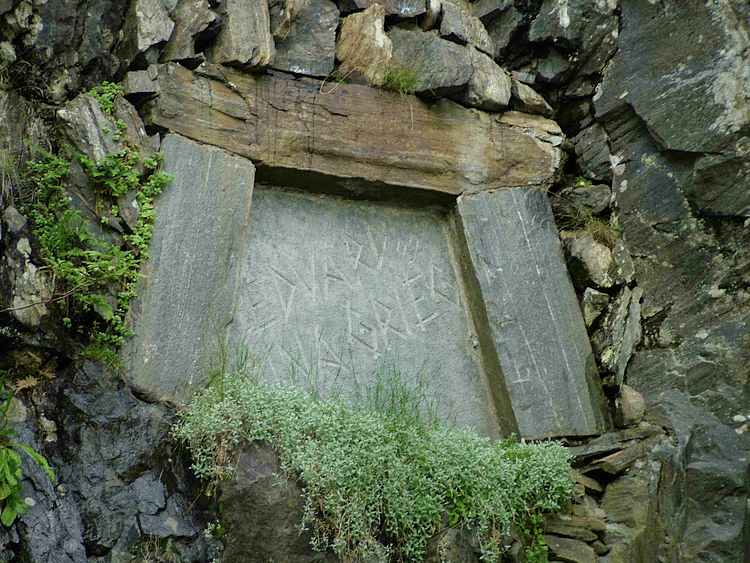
[653, 97]
[109, 492]
[308, 46]
[63, 53]
[244, 39]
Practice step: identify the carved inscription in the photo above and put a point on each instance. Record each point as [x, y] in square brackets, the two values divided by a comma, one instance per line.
[332, 290]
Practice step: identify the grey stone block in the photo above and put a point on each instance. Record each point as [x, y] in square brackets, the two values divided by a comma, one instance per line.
[334, 291]
[187, 298]
[309, 46]
[533, 313]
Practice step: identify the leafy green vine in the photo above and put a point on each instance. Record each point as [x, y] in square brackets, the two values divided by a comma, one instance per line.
[95, 279]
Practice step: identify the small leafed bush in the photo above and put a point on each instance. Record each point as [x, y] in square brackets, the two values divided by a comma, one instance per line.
[11, 476]
[376, 483]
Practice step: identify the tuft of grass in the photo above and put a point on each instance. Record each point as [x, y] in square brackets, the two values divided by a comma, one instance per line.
[602, 230]
[399, 79]
[377, 481]
[576, 218]
[151, 549]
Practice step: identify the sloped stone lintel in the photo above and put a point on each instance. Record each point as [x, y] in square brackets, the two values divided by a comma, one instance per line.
[349, 131]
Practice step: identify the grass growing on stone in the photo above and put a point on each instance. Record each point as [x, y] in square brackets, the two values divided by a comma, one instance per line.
[399, 79]
[603, 230]
[376, 482]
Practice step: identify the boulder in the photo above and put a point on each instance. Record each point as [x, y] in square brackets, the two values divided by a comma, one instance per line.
[575, 527]
[488, 87]
[629, 407]
[147, 27]
[13, 221]
[244, 39]
[308, 48]
[592, 153]
[94, 134]
[619, 332]
[438, 66]
[31, 287]
[501, 19]
[462, 28]
[263, 510]
[626, 500]
[593, 303]
[589, 27]
[593, 263]
[570, 550]
[552, 68]
[526, 99]
[282, 13]
[400, 8]
[192, 18]
[362, 46]
[89, 129]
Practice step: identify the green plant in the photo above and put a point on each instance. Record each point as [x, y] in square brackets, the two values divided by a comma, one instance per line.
[10, 463]
[106, 93]
[536, 550]
[94, 279]
[151, 549]
[399, 79]
[376, 483]
[217, 529]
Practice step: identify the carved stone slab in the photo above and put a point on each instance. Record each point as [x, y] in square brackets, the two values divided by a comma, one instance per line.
[533, 313]
[187, 298]
[348, 131]
[338, 293]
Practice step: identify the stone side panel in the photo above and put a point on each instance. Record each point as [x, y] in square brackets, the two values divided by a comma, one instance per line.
[187, 298]
[533, 313]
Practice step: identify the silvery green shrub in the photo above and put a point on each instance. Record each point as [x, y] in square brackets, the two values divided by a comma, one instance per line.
[376, 483]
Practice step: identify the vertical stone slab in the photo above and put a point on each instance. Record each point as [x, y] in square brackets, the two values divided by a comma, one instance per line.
[187, 299]
[534, 317]
[339, 292]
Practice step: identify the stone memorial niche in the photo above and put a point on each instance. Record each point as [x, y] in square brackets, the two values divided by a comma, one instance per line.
[460, 279]
[338, 293]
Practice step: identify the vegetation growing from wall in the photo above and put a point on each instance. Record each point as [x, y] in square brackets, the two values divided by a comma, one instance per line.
[604, 230]
[10, 463]
[94, 279]
[397, 79]
[377, 482]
